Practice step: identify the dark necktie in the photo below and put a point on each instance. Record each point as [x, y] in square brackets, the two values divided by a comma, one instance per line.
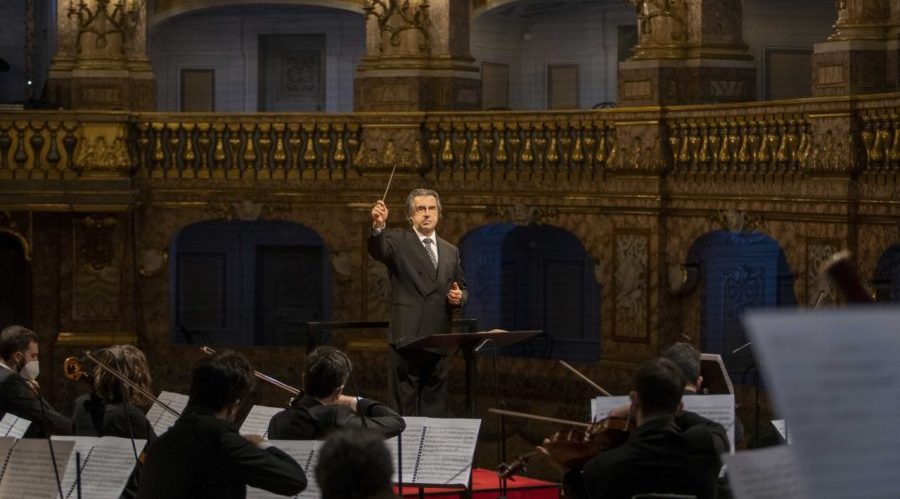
[428, 242]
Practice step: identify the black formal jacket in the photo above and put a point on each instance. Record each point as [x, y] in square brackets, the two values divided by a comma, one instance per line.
[309, 419]
[677, 455]
[419, 304]
[17, 398]
[204, 456]
[94, 418]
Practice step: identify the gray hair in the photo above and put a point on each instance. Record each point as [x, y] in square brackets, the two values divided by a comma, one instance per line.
[421, 192]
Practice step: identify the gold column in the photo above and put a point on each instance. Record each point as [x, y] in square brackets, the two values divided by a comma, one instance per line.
[853, 59]
[687, 52]
[417, 57]
[101, 60]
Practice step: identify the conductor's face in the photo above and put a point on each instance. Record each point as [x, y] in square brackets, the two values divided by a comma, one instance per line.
[424, 214]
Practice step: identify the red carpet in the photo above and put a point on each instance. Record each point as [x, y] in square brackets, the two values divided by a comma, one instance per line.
[486, 485]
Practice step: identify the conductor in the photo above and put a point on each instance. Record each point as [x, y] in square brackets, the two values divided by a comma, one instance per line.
[427, 286]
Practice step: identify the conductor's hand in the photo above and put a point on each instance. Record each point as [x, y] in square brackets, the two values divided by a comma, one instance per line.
[455, 295]
[379, 215]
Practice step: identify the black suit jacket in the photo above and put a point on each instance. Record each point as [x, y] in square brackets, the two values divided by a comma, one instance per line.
[309, 419]
[677, 455]
[203, 456]
[419, 304]
[17, 398]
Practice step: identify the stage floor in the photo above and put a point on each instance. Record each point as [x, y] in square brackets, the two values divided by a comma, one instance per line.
[485, 485]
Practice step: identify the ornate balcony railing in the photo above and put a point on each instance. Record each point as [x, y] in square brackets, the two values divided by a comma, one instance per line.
[514, 145]
[221, 146]
[842, 136]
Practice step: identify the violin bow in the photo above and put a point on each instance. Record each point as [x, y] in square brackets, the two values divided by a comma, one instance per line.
[585, 378]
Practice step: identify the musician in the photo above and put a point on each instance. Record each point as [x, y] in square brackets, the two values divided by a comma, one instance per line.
[354, 463]
[324, 406]
[427, 286]
[114, 408]
[687, 358]
[19, 390]
[203, 455]
[669, 451]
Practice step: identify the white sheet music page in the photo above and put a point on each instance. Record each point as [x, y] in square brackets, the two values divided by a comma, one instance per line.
[80, 444]
[29, 472]
[411, 440]
[306, 453]
[6, 447]
[835, 376]
[160, 419]
[718, 408]
[13, 426]
[782, 429]
[768, 473]
[257, 420]
[105, 467]
[437, 451]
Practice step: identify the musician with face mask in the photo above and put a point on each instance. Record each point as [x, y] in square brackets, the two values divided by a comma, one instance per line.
[19, 391]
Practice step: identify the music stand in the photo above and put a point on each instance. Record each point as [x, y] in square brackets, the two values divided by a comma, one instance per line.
[716, 380]
[467, 342]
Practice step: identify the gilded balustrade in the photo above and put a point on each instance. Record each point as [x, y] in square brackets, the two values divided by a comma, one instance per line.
[221, 146]
[38, 146]
[740, 143]
[519, 146]
[881, 139]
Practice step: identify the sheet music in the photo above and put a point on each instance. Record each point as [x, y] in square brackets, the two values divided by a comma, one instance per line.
[6, 447]
[718, 408]
[29, 472]
[781, 427]
[437, 451]
[839, 368]
[257, 420]
[106, 465]
[13, 426]
[160, 419]
[768, 473]
[306, 453]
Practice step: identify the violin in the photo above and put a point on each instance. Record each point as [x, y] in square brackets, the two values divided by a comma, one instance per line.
[840, 268]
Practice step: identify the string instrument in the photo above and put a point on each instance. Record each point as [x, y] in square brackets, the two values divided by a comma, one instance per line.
[572, 447]
[840, 269]
[73, 368]
[296, 392]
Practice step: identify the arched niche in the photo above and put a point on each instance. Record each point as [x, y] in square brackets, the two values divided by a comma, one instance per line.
[887, 276]
[15, 294]
[247, 283]
[738, 271]
[534, 277]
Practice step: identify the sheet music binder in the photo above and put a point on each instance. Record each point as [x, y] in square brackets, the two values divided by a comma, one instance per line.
[442, 448]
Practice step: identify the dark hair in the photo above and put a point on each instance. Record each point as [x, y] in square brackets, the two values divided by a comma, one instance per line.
[687, 358]
[327, 368]
[354, 464]
[421, 192]
[660, 385]
[128, 360]
[15, 339]
[223, 379]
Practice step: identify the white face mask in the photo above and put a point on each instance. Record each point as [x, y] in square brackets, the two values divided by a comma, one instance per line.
[30, 370]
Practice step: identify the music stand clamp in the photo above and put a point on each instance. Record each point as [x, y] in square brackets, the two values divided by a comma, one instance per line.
[467, 342]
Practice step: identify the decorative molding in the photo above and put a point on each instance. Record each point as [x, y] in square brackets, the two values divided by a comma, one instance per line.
[631, 285]
[20, 226]
[97, 267]
[737, 221]
[152, 261]
[394, 18]
[247, 210]
[520, 214]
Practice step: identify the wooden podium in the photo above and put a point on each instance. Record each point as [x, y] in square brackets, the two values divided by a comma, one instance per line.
[469, 343]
